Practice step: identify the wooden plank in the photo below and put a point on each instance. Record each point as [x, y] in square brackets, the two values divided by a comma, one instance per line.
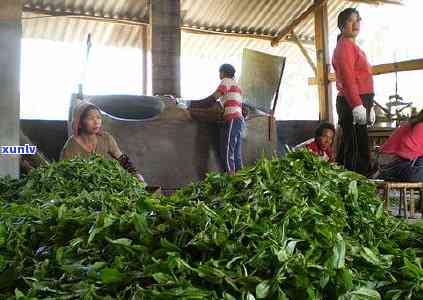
[291, 26]
[377, 2]
[407, 65]
[304, 52]
[322, 55]
[43, 13]
[402, 66]
[289, 38]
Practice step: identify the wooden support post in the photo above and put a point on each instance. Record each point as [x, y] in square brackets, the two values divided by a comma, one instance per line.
[386, 203]
[165, 18]
[323, 59]
[412, 203]
[304, 52]
[145, 50]
[10, 57]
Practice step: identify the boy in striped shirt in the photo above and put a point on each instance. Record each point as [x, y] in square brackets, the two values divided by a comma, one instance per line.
[230, 95]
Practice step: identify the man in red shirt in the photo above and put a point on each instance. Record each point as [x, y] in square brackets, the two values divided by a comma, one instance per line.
[403, 152]
[354, 103]
[321, 144]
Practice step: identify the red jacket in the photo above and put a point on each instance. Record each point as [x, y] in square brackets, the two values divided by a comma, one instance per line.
[313, 146]
[405, 142]
[353, 72]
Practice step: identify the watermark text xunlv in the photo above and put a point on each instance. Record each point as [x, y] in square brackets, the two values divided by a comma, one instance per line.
[12, 150]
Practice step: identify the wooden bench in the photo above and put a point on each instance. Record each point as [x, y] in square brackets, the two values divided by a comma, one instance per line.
[404, 188]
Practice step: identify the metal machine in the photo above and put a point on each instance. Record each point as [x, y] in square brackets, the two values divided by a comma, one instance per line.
[394, 112]
[173, 144]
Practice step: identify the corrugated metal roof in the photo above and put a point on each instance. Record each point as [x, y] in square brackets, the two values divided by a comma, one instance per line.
[136, 10]
[259, 17]
[75, 30]
[254, 16]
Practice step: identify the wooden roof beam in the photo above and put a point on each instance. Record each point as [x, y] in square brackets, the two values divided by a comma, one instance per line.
[294, 23]
[304, 52]
[289, 38]
[402, 66]
[378, 2]
[42, 13]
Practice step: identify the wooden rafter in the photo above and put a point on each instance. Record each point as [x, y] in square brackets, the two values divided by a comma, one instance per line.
[402, 66]
[377, 2]
[304, 52]
[41, 13]
[294, 23]
[193, 30]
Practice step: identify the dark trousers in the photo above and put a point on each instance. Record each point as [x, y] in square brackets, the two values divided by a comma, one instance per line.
[231, 145]
[353, 152]
[403, 170]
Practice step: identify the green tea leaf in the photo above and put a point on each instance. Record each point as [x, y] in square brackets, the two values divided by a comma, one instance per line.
[262, 290]
[380, 211]
[3, 234]
[348, 279]
[369, 256]
[282, 295]
[98, 265]
[19, 294]
[352, 190]
[110, 276]
[250, 297]
[227, 296]
[365, 294]
[338, 258]
[162, 278]
[122, 241]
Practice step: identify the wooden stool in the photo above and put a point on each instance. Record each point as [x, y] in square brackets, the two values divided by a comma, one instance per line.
[403, 188]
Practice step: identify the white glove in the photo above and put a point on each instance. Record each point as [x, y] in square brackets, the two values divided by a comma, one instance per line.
[359, 115]
[372, 116]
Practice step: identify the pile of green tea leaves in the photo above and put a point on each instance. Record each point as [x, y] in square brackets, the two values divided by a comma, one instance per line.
[288, 228]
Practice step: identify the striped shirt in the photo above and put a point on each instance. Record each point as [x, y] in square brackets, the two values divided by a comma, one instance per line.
[231, 99]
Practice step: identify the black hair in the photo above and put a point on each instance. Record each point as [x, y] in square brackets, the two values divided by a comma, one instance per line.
[319, 130]
[343, 18]
[416, 119]
[228, 70]
[85, 114]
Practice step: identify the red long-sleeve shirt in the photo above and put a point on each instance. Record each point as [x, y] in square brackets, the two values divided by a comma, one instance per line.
[406, 142]
[353, 72]
[313, 146]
